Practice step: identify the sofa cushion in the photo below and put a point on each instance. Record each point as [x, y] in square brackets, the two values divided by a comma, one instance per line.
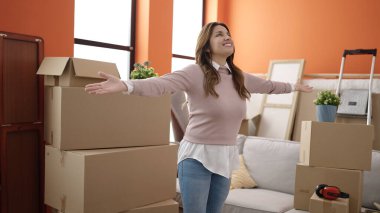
[257, 200]
[240, 178]
[272, 162]
[371, 185]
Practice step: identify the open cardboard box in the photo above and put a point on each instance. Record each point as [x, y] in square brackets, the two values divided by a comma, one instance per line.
[73, 72]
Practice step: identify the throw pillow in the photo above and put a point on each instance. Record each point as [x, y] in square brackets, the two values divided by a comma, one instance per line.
[240, 178]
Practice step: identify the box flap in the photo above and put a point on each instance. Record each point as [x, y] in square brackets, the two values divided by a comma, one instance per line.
[53, 66]
[90, 68]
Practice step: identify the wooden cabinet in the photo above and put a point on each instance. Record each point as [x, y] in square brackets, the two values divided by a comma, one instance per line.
[21, 124]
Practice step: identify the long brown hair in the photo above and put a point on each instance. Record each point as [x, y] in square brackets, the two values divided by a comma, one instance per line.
[203, 57]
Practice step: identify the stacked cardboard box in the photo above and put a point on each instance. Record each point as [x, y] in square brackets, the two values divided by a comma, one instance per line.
[317, 205]
[107, 153]
[334, 154]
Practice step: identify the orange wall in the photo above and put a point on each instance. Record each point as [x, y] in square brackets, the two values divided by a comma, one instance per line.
[216, 10]
[154, 33]
[54, 22]
[51, 20]
[316, 30]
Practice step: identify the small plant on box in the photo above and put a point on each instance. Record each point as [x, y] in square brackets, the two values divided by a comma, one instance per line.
[142, 71]
[326, 106]
[327, 98]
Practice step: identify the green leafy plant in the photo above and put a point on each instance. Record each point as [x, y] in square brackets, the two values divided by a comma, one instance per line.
[327, 98]
[142, 71]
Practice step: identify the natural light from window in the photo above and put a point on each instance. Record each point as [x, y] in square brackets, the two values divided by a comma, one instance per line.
[179, 63]
[187, 23]
[107, 22]
[119, 57]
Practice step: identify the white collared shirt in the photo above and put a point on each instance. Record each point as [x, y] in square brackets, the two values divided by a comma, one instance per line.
[217, 66]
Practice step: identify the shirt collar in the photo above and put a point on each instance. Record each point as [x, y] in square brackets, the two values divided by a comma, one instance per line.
[217, 66]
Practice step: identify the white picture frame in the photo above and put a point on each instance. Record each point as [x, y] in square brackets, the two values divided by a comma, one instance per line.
[278, 110]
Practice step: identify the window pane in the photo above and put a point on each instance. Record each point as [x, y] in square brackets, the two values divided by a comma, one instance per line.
[105, 21]
[179, 63]
[119, 57]
[187, 23]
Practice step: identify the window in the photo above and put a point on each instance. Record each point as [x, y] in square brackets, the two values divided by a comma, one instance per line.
[187, 23]
[104, 32]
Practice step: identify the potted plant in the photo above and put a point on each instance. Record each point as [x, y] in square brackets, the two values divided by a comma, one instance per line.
[327, 105]
[142, 71]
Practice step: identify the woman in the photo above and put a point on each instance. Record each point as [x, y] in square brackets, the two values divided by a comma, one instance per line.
[217, 90]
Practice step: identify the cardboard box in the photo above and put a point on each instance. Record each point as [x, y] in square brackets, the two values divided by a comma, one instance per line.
[168, 206]
[336, 145]
[375, 120]
[306, 112]
[77, 120]
[109, 180]
[320, 205]
[307, 178]
[249, 126]
[73, 72]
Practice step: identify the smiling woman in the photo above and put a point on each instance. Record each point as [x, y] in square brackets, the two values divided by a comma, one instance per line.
[217, 91]
[221, 44]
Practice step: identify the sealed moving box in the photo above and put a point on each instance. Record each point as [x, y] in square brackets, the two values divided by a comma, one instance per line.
[73, 72]
[320, 205]
[336, 145]
[109, 180]
[75, 119]
[168, 206]
[308, 177]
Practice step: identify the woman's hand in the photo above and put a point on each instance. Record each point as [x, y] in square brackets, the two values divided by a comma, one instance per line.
[112, 84]
[302, 88]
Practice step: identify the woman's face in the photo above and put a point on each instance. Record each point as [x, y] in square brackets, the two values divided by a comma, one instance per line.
[221, 43]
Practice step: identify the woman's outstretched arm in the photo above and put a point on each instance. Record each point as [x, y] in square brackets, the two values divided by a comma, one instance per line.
[111, 84]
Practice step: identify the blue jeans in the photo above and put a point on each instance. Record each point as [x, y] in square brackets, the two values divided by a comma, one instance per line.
[201, 190]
